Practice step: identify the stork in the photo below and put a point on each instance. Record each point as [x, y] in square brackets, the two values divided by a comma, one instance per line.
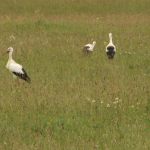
[17, 70]
[110, 49]
[87, 49]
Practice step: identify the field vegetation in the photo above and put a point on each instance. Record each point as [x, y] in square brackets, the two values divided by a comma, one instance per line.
[75, 102]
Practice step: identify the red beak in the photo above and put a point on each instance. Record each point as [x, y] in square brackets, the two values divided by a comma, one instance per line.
[5, 52]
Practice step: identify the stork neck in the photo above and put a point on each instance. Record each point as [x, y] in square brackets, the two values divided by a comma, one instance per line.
[10, 55]
[110, 37]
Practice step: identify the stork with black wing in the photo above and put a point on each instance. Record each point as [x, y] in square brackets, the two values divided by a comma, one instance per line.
[110, 48]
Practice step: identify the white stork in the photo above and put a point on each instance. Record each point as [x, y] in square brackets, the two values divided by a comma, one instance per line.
[110, 48]
[87, 49]
[16, 69]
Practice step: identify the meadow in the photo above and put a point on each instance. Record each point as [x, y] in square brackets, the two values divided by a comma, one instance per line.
[75, 102]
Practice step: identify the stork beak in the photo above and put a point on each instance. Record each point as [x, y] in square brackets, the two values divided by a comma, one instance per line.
[5, 52]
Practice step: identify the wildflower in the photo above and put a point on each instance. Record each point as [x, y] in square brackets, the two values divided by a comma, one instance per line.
[12, 38]
[108, 105]
[5, 143]
[116, 102]
[93, 101]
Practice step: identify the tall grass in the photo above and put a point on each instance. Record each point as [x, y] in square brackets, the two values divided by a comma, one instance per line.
[75, 102]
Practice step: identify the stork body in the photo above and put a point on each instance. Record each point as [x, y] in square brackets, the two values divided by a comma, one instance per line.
[88, 49]
[16, 69]
[110, 48]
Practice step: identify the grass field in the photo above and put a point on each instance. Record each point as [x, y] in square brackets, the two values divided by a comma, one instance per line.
[75, 102]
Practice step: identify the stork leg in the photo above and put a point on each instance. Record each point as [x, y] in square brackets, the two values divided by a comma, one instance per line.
[84, 52]
[110, 61]
[17, 82]
[89, 52]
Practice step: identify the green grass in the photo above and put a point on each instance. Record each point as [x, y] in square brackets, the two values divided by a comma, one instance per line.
[75, 102]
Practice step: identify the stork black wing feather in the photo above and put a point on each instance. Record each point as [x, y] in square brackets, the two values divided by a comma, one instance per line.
[110, 48]
[110, 52]
[86, 47]
[23, 75]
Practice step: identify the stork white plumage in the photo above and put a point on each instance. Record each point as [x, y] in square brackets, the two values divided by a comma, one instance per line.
[16, 69]
[87, 49]
[110, 48]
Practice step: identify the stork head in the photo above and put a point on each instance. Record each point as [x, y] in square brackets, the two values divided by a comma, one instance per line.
[94, 43]
[10, 49]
